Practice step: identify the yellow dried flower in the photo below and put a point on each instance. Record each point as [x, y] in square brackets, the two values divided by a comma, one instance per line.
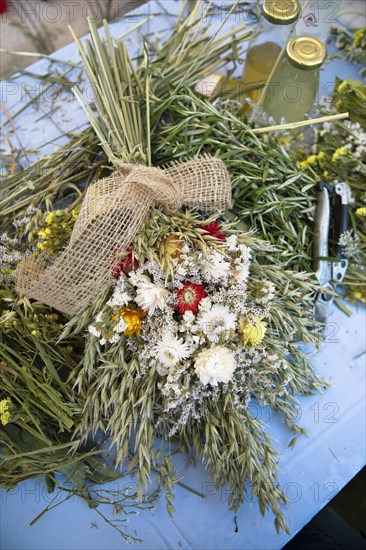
[253, 332]
[360, 295]
[4, 418]
[358, 36]
[133, 318]
[4, 405]
[361, 212]
[338, 152]
[55, 230]
[312, 160]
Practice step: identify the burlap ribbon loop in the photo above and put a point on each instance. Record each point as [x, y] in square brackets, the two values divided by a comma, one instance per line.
[112, 212]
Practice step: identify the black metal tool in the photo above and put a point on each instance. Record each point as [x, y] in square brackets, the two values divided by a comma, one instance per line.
[329, 262]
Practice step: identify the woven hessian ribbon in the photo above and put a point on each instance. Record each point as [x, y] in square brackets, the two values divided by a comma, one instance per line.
[112, 213]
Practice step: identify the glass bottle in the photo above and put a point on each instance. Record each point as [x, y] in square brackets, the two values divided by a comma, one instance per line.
[271, 37]
[294, 85]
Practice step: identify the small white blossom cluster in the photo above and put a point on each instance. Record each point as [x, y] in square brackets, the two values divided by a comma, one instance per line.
[350, 244]
[9, 257]
[357, 139]
[197, 329]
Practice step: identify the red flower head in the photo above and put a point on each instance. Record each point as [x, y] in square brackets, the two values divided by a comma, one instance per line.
[189, 297]
[214, 229]
[124, 265]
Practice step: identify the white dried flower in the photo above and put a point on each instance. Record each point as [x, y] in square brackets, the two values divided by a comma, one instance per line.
[170, 350]
[241, 272]
[214, 267]
[150, 296]
[205, 304]
[216, 321]
[134, 277]
[119, 298]
[245, 252]
[350, 244]
[188, 317]
[214, 365]
[268, 292]
[188, 322]
[94, 331]
[121, 326]
[231, 243]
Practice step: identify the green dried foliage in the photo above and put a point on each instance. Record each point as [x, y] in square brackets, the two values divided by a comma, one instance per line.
[117, 95]
[271, 192]
[353, 46]
[38, 439]
[57, 179]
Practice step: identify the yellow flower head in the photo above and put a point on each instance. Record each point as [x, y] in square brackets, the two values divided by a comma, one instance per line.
[49, 217]
[4, 405]
[133, 318]
[4, 418]
[338, 152]
[253, 332]
[361, 212]
[359, 35]
[312, 159]
[360, 295]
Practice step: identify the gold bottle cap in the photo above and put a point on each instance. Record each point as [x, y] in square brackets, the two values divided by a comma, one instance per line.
[306, 52]
[281, 12]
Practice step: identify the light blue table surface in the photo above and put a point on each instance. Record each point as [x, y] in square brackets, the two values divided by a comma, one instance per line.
[312, 474]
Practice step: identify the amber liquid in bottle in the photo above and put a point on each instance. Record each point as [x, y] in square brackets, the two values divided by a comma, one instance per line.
[258, 66]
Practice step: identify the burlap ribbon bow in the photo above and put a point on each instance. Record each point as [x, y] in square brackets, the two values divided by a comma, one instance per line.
[111, 214]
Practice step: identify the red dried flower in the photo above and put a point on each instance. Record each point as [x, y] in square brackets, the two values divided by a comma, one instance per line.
[214, 229]
[189, 297]
[125, 265]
